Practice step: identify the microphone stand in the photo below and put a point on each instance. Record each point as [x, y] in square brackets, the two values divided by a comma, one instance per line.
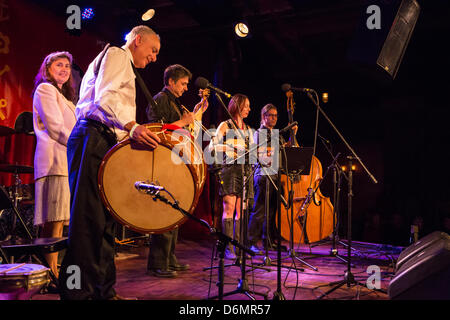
[337, 174]
[287, 204]
[222, 239]
[349, 278]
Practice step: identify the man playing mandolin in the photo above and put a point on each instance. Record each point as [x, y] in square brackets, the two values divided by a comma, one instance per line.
[162, 261]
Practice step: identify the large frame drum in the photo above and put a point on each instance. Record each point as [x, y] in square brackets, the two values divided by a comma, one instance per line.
[176, 164]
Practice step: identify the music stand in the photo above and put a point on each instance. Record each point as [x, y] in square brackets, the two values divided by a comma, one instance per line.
[297, 161]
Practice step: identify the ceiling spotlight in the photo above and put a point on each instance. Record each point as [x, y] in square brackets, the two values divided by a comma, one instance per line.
[241, 29]
[148, 15]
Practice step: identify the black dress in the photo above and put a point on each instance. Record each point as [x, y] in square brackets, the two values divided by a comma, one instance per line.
[231, 173]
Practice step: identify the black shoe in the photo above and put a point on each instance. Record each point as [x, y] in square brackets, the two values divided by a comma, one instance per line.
[179, 267]
[163, 273]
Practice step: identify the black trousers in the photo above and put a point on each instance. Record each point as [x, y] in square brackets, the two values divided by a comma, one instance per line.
[162, 250]
[257, 226]
[91, 228]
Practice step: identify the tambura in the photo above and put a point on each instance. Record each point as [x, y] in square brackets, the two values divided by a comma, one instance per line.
[176, 164]
[22, 281]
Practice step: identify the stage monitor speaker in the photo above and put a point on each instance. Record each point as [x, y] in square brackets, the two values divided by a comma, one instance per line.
[425, 275]
[418, 246]
[379, 48]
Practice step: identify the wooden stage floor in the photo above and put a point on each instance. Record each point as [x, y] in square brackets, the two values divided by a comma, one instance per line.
[199, 283]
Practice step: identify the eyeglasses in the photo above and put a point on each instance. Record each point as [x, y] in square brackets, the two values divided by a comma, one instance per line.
[273, 115]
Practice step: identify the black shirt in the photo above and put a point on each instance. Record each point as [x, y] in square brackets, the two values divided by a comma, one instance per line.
[168, 108]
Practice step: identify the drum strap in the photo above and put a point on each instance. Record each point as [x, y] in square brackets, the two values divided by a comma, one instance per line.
[144, 88]
[99, 62]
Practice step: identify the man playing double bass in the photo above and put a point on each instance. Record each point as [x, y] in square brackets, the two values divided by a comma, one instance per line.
[162, 261]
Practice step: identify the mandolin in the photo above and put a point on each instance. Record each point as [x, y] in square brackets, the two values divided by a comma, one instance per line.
[199, 109]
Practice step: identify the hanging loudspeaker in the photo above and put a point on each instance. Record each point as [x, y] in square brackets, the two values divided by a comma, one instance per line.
[398, 38]
[382, 36]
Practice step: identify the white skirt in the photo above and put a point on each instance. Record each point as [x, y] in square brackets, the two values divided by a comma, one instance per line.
[52, 200]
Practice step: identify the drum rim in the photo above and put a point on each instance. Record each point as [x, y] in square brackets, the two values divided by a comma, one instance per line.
[198, 187]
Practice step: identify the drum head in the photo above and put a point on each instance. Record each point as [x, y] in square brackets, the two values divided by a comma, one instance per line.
[124, 165]
[21, 281]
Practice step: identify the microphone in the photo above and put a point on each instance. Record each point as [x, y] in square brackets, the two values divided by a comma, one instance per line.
[288, 127]
[202, 83]
[287, 87]
[142, 186]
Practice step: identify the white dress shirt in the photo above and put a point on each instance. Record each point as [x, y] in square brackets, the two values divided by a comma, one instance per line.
[111, 98]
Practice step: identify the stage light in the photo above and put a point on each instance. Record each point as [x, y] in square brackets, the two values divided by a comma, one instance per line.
[88, 13]
[241, 30]
[148, 15]
[325, 97]
[344, 168]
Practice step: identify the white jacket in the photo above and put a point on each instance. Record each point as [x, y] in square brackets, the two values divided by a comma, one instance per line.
[53, 120]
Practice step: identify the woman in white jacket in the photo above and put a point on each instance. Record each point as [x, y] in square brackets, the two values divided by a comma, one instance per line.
[53, 120]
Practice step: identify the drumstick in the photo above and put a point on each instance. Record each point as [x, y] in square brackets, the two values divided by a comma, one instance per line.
[12, 268]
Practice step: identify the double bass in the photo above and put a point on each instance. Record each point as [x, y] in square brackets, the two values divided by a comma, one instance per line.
[309, 221]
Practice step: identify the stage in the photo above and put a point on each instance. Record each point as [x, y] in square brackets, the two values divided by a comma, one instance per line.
[199, 283]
